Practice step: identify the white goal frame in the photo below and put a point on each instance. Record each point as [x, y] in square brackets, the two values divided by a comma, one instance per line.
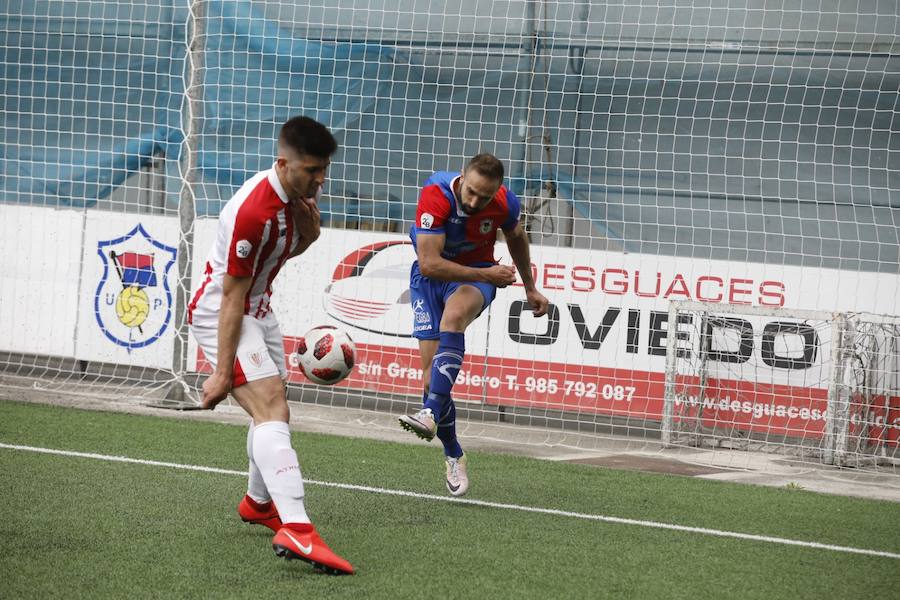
[862, 364]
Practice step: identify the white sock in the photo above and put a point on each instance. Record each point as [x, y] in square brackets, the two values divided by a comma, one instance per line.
[278, 464]
[256, 486]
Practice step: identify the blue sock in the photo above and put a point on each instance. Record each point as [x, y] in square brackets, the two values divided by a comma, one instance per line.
[445, 367]
[446, 363]
[435, 403]
[447, 432]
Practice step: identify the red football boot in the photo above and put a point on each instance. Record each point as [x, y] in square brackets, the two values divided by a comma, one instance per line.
[266, 514]
[301, 540]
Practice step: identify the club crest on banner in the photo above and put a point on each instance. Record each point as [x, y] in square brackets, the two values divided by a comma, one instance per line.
[133, 302]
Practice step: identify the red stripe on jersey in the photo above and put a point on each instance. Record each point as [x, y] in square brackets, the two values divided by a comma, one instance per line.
[288, 243]
[249, 225]
[264, 254]
[193, 305]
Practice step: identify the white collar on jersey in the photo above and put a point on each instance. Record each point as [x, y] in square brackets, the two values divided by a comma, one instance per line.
[276, 185]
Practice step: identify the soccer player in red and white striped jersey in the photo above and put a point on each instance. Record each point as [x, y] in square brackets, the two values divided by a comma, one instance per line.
[273, 217]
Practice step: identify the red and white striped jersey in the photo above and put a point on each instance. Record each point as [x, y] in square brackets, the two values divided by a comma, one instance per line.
[256, 235]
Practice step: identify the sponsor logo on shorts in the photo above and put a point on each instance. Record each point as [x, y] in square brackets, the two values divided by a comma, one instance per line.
[421, 315]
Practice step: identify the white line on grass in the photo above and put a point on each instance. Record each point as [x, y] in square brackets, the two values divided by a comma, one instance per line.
[517, 507]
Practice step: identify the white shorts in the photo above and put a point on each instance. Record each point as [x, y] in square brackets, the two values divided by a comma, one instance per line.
[260, 351]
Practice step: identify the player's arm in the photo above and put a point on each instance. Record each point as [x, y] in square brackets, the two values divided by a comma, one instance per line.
[243, 249]
[517, 242]
[435, 266]
[231, 315]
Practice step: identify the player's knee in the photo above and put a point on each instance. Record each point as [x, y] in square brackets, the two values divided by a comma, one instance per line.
[265, 400]
[277, 406]
[454, 322]
[275, 411]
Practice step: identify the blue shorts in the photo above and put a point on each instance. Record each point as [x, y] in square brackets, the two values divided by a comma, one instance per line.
[429, 296]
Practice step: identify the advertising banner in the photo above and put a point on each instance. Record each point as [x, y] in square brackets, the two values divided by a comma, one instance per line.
[601, 349]
[104, 291]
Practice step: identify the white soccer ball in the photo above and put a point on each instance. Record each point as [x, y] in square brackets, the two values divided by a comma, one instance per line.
[326, 354]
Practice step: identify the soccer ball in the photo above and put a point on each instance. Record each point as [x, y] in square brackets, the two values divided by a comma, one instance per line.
[326, 354]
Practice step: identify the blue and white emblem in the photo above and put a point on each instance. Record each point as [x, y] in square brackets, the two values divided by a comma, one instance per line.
[133, 303]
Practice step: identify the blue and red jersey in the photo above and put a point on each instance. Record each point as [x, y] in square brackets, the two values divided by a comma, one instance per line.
[469, 239]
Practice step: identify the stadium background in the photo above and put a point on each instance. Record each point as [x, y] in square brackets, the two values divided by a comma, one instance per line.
[724, 132]
[737, 132]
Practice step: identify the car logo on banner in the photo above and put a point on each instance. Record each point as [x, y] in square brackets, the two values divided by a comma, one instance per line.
[133, 302]
[369, 289]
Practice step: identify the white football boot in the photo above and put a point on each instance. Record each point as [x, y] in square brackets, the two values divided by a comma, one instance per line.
[422, 424]
[457, 475]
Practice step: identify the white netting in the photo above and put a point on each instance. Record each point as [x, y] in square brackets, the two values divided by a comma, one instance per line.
[740, 153]
[810, 385]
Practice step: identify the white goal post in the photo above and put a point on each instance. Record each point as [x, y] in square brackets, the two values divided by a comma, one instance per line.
[810, 384]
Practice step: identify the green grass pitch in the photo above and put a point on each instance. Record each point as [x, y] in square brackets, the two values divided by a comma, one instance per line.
[78, 527]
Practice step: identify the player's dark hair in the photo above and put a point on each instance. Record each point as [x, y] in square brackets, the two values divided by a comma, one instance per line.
[487, 165]
[307, 136]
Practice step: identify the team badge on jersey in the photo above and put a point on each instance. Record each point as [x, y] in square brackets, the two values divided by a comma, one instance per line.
[486, 226]
[426, 221]
[243, 248]
[133, 302]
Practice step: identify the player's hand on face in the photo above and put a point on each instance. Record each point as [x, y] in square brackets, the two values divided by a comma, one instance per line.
[215, 389]
[308, 218]
[501, 275]
[538, 302]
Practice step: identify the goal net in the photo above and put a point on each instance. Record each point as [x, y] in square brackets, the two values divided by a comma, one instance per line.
[737, 153]
[811, 385]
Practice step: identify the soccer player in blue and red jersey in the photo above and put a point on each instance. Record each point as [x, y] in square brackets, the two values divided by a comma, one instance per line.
[454, 279]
